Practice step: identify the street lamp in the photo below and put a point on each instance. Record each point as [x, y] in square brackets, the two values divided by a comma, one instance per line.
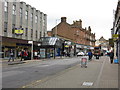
[56, 28]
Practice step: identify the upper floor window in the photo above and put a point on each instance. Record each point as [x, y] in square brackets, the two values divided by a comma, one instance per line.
[26, 32]
[13, 28]
[26, 15]
[36, 19]
[14, 9]
[31, 16]
[6, 6]
[5, 26]
[20, 12]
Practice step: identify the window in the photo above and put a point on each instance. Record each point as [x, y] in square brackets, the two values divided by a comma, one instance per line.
[20, 12]
[31, 16]
[14, 9]
[6, 6]
[26, 15]
[26, 32]
[5, 26]
[31, 33]
[13, 28]
[36, 34]
[36, 19]
[40, 34]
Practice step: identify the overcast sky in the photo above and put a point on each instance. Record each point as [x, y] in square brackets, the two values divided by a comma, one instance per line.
[95, 13]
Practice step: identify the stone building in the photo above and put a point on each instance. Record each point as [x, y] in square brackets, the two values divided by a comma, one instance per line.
[74, 33]
[19, 24]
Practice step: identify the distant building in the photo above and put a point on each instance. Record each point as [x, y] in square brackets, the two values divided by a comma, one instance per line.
[103, 43]
[19, 24]
[74, 33]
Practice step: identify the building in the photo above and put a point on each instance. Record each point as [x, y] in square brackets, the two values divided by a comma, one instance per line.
[76, 37]
[103, 43]
[116, 32]
[19, 24]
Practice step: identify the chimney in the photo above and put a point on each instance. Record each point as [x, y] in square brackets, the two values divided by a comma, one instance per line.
[89, 28]
[63, 19]
[80, 23]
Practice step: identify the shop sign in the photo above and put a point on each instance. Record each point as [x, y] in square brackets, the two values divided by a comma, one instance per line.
[66, 46]
[115, 37]
[18, 31]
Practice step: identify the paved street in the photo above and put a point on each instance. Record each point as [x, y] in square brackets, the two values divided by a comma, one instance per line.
[18, 75]
[99, 72]
[61, 73]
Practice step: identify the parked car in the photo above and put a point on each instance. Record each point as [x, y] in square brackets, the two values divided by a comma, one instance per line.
[80, 54]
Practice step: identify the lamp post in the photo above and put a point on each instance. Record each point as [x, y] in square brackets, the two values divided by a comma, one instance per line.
[56, 28]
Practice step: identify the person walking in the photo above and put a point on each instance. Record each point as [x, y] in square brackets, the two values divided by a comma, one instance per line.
[90, 55]
[111, 57]
[25, 55]
[22, 55]
[11, 54]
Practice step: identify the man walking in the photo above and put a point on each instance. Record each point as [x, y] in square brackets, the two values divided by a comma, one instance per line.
[11, 54]
[90, 54]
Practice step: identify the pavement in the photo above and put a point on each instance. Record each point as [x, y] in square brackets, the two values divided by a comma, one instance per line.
[98, 74]
[5, 63]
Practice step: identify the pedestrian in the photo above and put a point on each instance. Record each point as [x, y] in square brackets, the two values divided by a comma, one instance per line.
[22, 54]
[111, 57]
[35, 55]
[25, 55]
[90, 55]
[11, 54]
[19, 54]
[38, 54]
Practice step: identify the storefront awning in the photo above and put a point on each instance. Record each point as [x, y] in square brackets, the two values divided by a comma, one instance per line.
[51, 41]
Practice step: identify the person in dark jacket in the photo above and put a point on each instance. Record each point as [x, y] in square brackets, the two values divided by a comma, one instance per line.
[22, 54]
[90, 55]
[11, 54]
[111, 57]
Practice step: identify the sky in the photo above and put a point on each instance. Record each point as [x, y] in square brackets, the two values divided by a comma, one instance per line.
[99, 14]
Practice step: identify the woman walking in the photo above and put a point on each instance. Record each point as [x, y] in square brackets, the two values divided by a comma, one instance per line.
[111, 57]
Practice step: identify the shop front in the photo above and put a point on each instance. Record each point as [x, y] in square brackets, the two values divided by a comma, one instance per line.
[50, 47]
[15, 44]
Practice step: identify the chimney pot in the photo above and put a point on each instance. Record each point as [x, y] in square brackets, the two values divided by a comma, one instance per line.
[63, 19]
